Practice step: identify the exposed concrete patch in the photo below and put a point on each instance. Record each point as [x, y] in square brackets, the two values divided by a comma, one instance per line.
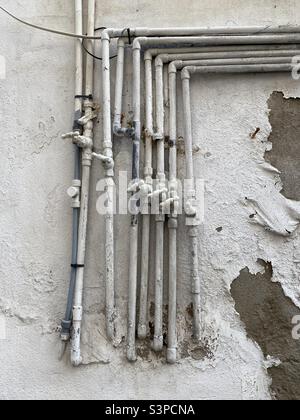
[285, 153]
[274, 212]
[267, 314]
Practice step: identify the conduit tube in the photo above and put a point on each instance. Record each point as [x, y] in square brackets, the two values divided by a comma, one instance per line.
[87, 144]
[191, 219]
[172, 224]
[117, 125]
[108, 163]
[146, 211]
[160, 197]
[173, 198]
[74, 191]
[135, 187]
[205, 40]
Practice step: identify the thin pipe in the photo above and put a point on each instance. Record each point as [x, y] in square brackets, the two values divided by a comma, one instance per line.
[148, 173]
[117, 125]
[76, 358]
[132, 289]
[66, 324]
[108, 164]
[160, 218]
[137, 45]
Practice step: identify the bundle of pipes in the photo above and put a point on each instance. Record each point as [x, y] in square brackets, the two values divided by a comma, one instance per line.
[189, 50]
[234, 51]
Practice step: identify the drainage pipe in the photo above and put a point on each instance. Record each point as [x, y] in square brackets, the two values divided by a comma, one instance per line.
[192, 220]
[86, 142]
[74, 191]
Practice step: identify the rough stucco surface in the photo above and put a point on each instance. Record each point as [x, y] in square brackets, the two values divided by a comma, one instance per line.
[35, 217]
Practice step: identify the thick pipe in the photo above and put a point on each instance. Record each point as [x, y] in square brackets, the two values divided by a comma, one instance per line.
[193, 229]
[66, 324]
[76, 358]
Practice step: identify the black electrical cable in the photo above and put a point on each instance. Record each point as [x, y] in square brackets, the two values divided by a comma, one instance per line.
[102, 28]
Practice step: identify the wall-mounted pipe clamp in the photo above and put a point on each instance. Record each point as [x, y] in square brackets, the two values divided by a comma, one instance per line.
[191, 209]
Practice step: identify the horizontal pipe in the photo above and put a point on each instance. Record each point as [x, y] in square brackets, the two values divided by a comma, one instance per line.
[168, 32]
[251, 68]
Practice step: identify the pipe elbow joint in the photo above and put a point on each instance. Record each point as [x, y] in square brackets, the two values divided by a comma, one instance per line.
[185, 74]
[148, 56]
[137, 43]
[159, 61]
[105, 35]
[173, 67]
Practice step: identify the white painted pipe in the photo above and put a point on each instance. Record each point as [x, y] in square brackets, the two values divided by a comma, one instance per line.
[220, 31]
[76, 358]
[160, 218]
[148, 173]
[222, 52]
[74, 191]
[173, 224]
[132, 289]
[180, 39]
[108, 163]
[193, 227]
[117, 125]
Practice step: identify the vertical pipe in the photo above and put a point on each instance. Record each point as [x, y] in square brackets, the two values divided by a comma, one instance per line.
[109, 174]
[119, 84]
[67, 322]
[148, 172]
[132, 289]
[173, 224]
[160, 218]
[86, 167]
[191, 195]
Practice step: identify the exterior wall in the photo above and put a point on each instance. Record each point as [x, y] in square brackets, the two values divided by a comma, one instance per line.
[35, 216]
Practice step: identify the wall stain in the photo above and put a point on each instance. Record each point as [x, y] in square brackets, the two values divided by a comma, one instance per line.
[267, 314]
[285, 154]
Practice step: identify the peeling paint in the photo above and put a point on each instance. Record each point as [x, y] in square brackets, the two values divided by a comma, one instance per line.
[267, 315]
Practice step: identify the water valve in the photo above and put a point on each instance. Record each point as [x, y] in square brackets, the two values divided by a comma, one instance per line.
[74, 193]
